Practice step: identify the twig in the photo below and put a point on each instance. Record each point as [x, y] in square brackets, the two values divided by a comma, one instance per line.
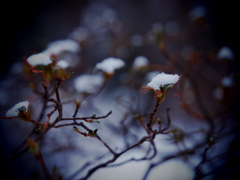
[168, 121]
[43, 165]
[198, 168]
[140, 159]
[151, 120]
[117, 155]
[86, 118]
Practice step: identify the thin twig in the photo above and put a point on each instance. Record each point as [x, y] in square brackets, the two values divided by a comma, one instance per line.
[168, 121]
[151, 120]
[43, 165]
[86, 118]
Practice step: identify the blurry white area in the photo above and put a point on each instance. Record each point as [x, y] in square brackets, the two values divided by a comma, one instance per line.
[172, 170]
[225, 53]
[88, 83]
[39, 59]
[140, 61]
[80, 34]
[109, 65]
[62, 64]
[227, 81]
[64, 49]
[131, 170]
[59, 46]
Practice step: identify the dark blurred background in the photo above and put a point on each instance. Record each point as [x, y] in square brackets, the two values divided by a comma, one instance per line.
[27, 26]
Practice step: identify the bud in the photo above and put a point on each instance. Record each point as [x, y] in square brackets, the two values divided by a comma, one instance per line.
[162, 84]
[33, 146]
[93, 133]
[23, 114]
[78, 104]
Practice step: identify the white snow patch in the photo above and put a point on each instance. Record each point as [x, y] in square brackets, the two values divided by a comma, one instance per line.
[162, 79]
[172, 170]
[13, 112]
[140, 61]
[59, 46]
[110, 64]
[225, 53]
[39, 59]
[63, 64]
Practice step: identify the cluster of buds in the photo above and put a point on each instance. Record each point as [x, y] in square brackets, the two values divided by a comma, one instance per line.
[109, 65]
[47, 66]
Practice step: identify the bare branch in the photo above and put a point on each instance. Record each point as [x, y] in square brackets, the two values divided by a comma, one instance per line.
[86, 118]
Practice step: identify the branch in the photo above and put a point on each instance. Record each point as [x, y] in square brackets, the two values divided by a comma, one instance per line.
[86, 118]
[151, 121]
[117, 155]
[168, 121]
[140, 159]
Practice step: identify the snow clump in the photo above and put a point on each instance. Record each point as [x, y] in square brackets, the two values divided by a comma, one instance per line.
[13, 112]
[225, 53]
[63, 64]
[162, 79]
[59, 46]
[110, 64]
[39, 59]
[139, 62]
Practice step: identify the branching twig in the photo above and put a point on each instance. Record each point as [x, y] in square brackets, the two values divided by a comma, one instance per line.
[117, 155]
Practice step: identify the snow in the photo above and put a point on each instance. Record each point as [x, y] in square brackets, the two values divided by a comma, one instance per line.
[172, 170]
[225, 53]
[59, 46]
[227, 82]
[140, 61]
[39, 59]
[162, 79]
[80, 34]
[63, 64]
[13, 112]
[88, 83]
[110, 64]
